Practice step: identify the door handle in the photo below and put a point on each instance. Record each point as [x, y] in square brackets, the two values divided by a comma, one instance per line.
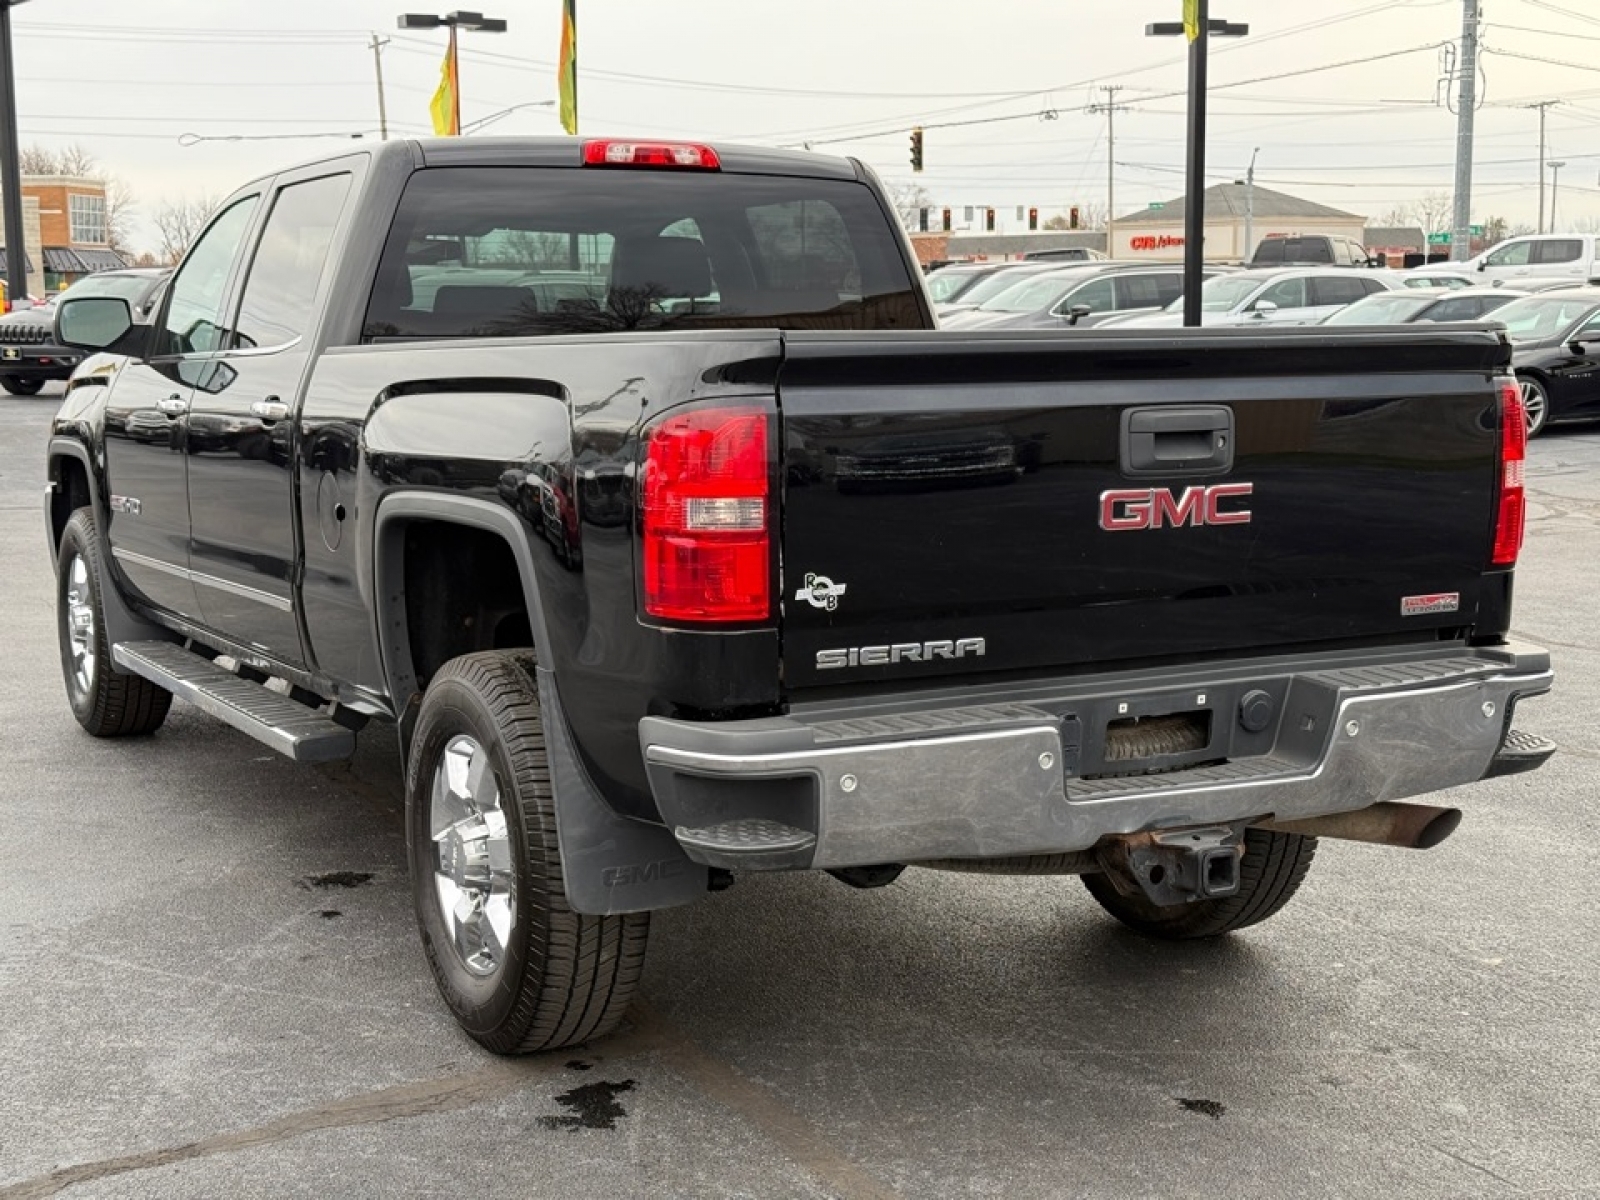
[1192, 440]
[173, 406]
[270, 409]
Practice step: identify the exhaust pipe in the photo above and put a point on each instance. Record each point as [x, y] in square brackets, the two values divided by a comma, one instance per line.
[1410, 826]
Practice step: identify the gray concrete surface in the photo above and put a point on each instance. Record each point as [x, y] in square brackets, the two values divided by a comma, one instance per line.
[185, 1012]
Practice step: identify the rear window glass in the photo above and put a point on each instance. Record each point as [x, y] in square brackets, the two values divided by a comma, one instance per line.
[528, 251]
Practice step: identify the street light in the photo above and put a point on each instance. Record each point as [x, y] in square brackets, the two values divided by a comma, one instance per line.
[1555, 174]
[473, 126]
[453, 21]
[1198, 27]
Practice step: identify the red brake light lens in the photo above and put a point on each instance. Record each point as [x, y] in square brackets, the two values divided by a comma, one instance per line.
[688, 155]
[1512, 505]
[707, 530]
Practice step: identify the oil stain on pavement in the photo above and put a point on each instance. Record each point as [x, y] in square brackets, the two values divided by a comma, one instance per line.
[594, 1106]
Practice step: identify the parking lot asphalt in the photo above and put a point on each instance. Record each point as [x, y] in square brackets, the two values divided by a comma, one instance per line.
[210, 985]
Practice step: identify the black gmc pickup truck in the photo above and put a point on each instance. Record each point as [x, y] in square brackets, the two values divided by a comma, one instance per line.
[633, 484]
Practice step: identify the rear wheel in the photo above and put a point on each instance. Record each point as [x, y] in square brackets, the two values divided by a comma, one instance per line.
[1535, 404]
[519, 969]
[1271, 871]
[105, 701]
[22, 387]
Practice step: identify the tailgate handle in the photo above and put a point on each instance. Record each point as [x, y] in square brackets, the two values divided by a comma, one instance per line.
[1193, 440]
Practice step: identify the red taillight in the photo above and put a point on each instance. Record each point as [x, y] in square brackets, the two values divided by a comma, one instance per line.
[707, 535]
[1513, 454]
[651, 154]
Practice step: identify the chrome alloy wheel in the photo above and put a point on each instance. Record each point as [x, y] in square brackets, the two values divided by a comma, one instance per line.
[473, 878]
[80, 625]
[1534, 404]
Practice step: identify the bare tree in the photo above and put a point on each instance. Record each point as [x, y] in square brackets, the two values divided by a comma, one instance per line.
[1396, 218]
[1432, 211]
[178, 221]
[909, 199]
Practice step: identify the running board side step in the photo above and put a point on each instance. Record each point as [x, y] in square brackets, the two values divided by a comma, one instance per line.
[289, 727]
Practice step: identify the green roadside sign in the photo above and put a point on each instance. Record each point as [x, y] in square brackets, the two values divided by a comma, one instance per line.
[1438, 239]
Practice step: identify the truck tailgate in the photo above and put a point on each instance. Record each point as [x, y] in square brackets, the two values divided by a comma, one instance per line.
[955, 505]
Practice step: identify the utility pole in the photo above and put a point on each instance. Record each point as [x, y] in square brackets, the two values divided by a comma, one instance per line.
[1466, 104]
[1541, 106]
[1250, 206]
[377, 64]
[1110, 108]
[10, 170]
[1555, 177]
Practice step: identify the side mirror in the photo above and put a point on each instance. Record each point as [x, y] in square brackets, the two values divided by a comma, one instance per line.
[1262, 308]
[1077, 312]
[1482, 265]
[93, 322]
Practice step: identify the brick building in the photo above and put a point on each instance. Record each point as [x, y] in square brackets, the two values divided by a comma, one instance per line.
[73, 237]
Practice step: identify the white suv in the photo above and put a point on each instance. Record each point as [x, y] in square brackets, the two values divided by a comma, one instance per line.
[1574, 254]
[1285, 296]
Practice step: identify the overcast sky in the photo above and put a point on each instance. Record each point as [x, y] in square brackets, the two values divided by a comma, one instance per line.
[127, 80]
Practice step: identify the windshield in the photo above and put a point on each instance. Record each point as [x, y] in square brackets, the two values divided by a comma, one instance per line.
[991, 287]
[1381, 310]
[1538, 317]
[947, 285]
[1032, 295]
[132, 288]
[1222, 294]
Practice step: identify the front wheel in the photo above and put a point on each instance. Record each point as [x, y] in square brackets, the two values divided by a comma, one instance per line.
[519, 969]
[22, 387]
[1271, 871]
[1535, 404]
[105, 701]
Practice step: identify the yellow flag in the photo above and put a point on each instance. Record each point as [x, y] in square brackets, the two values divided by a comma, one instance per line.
[1191, 18]
[567, 71]
[443, 105]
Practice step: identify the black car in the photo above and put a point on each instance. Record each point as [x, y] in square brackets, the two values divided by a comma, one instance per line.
[1555, 338]
[29, 355]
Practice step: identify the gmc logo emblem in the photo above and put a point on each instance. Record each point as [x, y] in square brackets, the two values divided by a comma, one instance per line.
[1151, 508]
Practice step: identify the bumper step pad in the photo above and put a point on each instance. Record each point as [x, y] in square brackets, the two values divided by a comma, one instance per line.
[749, 843]
[1520, 752]
[286, 725]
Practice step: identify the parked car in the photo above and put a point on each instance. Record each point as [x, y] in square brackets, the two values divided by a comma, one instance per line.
[1573, 255]
[1530, 284]
[1412, 280]
[30, 357]
[948, 284]
[1311, 249]
[1555, 340]
[1066, 254]
[1409, 305]
[992, 285]
[1075, 297]
[1287, 296]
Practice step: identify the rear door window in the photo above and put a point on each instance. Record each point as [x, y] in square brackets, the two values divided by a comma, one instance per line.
[289, 262]
[1338, 291]
[1144, 291]
[1286, 293]
[530, 251]
[1560, 250]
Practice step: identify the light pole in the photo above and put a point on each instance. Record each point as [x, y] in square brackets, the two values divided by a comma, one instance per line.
[1198, 26]
[1250, 206]
[16, 235]
[1555, 175]
[474, 126]
[453, 21]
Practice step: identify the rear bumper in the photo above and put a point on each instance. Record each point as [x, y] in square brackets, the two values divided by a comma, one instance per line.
[1011, 771]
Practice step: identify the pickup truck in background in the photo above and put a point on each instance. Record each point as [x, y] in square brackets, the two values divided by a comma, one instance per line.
[633, 485]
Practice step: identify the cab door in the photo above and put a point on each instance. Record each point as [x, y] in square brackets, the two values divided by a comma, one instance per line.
[243, 438]
[147, 418]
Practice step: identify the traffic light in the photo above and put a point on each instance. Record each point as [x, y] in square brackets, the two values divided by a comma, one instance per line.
[947, 220]
[916, 148]
[922, 219]
[988, 219]
[1072, 217]
[1033, 218]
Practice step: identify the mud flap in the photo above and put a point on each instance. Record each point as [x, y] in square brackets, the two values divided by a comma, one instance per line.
[611, 864]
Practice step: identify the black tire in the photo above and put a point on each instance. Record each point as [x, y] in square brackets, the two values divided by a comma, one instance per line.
[1535, 403]
[558, 978]
[22, 387]
[1273, 866]
[105, 701]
